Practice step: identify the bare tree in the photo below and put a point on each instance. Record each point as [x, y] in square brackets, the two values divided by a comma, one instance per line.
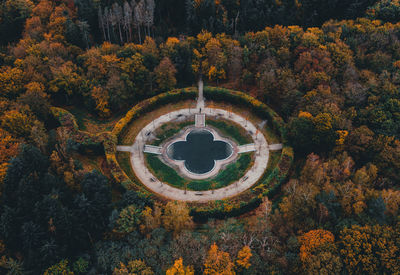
[118, 18]
[112, 21]
[127, 21]
[122, 19]
[106, 19]
[149, 15]
[102, 23]
[85, 30]
[139, 11]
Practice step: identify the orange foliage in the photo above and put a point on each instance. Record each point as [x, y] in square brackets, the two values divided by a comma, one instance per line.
[305, 114]
[218, 262]
[243, 258]
[179, 269]
[8, 149]
[370, 249]
[312, 240]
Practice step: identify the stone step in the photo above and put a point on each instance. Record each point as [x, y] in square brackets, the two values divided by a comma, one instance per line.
[246, 148]
[200, 120]
[151, 149]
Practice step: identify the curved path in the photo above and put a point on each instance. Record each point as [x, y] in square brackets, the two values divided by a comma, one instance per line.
[167, 191]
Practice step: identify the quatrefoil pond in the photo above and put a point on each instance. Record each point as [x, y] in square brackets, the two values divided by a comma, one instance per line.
[200, 151]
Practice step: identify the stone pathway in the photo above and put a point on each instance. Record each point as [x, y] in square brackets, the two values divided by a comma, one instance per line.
[200, 120]
[275, 147]
[123, 148]
[200, 100]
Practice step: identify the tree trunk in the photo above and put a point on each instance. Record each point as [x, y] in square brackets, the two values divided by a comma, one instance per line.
[140, 38]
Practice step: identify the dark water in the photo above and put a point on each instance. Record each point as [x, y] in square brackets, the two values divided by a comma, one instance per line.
[199, 151]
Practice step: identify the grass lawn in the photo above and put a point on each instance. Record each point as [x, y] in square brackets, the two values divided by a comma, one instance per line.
[128, 136]
[271, 136]
[163, 172]
[124, 160]
[230, 174]
[168, 130]
[272, 162]
[231, 130]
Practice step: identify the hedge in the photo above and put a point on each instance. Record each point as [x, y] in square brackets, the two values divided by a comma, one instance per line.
[151, 104]
[269, 187]
[248, 200]
[242, 99]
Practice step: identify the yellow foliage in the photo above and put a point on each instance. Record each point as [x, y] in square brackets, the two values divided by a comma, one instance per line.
[151, 219]
[135, 267]
[203, 36]
[342, 136]
[312, 240]
[323, 122]
[176, 216]
[310, 39]
[370, 249]
[17, 123]
[8, 149]
[101, 98]
[305, 114]
[11, 81]
[179, 269]
[60, 268]
[218, 262]
[243, 258]
[172, 41]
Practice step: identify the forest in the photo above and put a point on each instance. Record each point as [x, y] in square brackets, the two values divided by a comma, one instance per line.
[330, 69]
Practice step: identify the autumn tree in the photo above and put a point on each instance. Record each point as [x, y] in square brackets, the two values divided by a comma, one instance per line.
[176, 217]
[179, 269]
[243, 257]
[318, 253]
[11, 81]
[385, 10]
[165, 74]
[17, 123]
[37, 100]
[218, 262]
[370, 249]
[135, 267]
[101, 97]
[60, 268]
[9, 149]
[150, 218]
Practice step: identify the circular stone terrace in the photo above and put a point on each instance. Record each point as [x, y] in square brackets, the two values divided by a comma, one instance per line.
[140, 147]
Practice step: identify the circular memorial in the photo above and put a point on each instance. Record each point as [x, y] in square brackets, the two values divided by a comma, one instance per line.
[198, 153]
[192, 154]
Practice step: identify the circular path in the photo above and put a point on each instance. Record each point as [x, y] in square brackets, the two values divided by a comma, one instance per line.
[249, 179]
